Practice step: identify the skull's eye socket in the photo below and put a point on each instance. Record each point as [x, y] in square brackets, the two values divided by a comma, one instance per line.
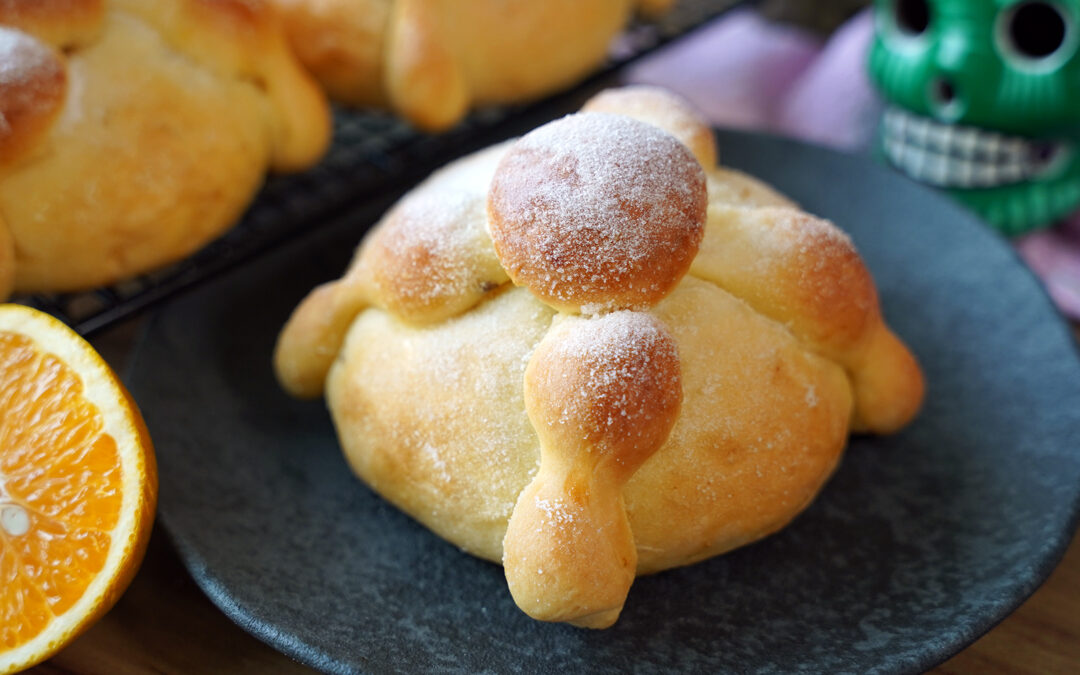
[912, 17]
[1035, 30]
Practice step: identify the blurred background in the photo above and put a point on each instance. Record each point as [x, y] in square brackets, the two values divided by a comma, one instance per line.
[821, 17]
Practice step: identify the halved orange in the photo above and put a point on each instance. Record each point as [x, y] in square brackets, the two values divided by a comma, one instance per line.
[78, 486]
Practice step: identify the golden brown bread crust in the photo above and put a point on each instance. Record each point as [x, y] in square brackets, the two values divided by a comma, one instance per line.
[316, 331]
[602, 395]
[243, 40]
[729, 187]
[151, 135]
[763, 424]
[65, 24]
[7, 261]
[777, 350]
[432, 60]
[432, 258]
[654, 8]
[766, 257]
[597, 211]
[388, 272]
[806, 274]
[661, 109]
[341, 43]
[33, 84]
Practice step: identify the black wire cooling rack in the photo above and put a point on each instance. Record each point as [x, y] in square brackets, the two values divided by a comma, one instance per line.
[373, 154]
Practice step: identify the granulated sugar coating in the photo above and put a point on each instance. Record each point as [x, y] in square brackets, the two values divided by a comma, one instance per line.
[597, 212]
[672, 374]
[31, 85]
[610, 383]
[432, 257]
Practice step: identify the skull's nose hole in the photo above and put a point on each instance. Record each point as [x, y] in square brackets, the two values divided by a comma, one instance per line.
[944, 91]
[945, 98]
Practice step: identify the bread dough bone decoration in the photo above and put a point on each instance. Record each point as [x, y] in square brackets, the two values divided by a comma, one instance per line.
[985, 103]
[591, 353]
[430, 61]
[134, 132]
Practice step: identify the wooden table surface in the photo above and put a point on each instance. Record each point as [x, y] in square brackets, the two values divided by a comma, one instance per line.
[164, 624]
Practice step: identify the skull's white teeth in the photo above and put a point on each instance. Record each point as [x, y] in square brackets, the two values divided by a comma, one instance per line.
[947, 155]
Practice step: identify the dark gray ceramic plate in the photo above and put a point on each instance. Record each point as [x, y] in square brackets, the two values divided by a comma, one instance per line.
[920, 543]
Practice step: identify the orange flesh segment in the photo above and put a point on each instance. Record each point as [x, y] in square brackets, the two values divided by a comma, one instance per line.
[58, 467]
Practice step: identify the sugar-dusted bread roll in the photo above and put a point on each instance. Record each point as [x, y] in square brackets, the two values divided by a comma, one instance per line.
[588, 356]
[432, 60]
[133, 132]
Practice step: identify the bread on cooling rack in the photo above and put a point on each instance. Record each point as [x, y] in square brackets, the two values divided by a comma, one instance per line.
[432, 61]
[133, 132]
[591, 353]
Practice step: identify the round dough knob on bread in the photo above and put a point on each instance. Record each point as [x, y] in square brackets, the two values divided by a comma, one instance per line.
[663, 109]
[33, 84]
[596, 212]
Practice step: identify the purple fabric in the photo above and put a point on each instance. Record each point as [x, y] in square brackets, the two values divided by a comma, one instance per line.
[833, 103]
[719, 69]
[745, 72]
[1054, 254]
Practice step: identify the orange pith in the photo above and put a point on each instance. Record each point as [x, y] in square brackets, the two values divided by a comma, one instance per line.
[77, 487]
[55, 455]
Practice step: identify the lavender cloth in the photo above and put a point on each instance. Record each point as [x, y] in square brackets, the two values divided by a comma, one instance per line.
[746, 72]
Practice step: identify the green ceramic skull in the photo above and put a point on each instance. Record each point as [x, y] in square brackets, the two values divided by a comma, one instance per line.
[985, 102]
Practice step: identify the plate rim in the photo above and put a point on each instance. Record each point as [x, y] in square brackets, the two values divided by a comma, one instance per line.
[1026, 581]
